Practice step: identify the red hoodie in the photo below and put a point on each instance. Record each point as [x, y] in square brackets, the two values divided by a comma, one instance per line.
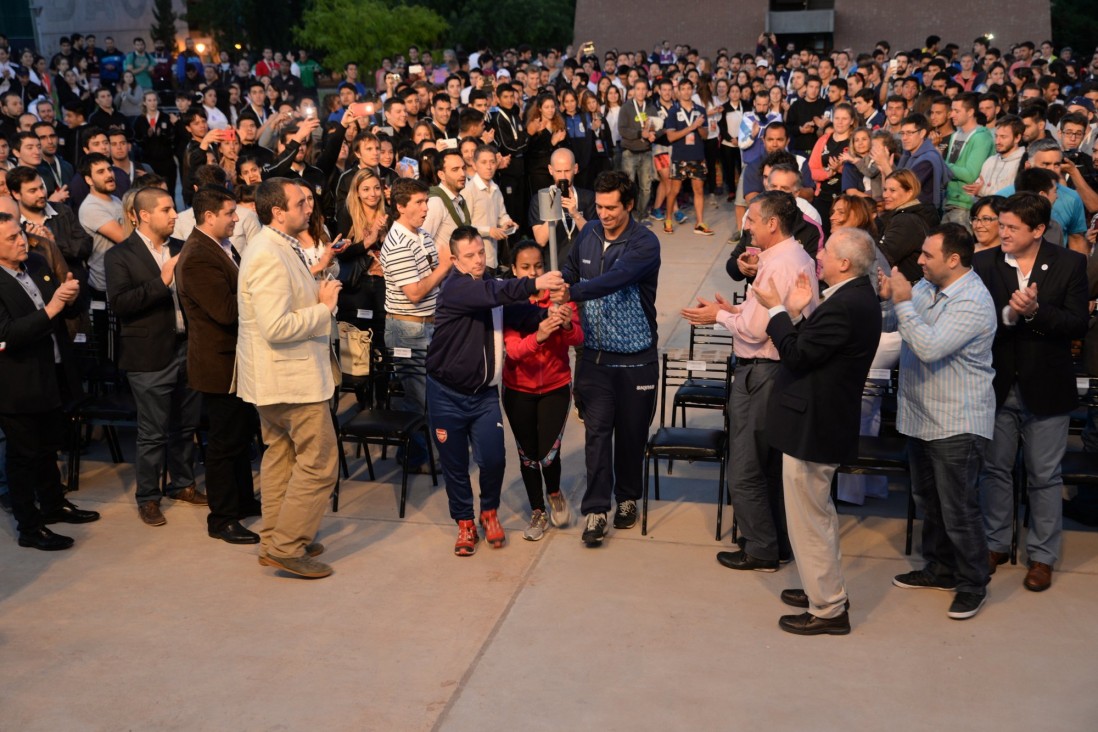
[537, 368]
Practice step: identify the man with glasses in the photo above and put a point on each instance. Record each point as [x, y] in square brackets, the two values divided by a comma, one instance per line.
[1068, 208]
[922, 158]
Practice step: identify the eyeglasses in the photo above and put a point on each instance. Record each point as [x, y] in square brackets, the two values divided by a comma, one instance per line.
[908, 133]
[985, 220]
[1074, 133]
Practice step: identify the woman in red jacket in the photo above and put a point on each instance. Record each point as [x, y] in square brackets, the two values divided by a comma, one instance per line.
[537, 382]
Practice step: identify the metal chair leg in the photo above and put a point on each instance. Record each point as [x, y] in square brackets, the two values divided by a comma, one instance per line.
[404, 475]
[720, 498]
[910, 529]
[644, 500]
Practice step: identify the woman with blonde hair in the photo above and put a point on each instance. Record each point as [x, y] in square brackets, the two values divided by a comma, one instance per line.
[365, 222]
[905, 222]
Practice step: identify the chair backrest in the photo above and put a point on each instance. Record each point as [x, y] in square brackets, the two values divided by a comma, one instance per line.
[676, 371]
[1087, 386]
[400, 362]
[709, 342]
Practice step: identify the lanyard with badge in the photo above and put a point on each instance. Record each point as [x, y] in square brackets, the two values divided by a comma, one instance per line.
[689, 118]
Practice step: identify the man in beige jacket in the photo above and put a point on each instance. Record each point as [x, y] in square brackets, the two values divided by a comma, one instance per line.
[285, 366]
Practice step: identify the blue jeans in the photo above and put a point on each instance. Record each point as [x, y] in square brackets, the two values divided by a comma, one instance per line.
[458, 420]
[168, 413]
[944, 476]
[417, 336]
[1044, 440]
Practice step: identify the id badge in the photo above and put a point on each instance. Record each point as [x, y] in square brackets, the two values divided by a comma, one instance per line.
[690, 138]
[582, 129]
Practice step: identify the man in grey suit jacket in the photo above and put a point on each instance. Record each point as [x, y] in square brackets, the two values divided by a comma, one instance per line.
[284, 366]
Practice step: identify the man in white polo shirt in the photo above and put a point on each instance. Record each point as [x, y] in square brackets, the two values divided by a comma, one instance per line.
[414, 267]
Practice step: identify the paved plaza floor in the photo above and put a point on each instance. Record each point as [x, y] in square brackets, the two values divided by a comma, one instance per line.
[141, 628]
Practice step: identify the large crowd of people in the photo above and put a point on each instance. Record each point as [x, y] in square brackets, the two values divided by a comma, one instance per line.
[921, 208]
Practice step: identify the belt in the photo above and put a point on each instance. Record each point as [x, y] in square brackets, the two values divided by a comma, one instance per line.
[412, 318]
[752, 361]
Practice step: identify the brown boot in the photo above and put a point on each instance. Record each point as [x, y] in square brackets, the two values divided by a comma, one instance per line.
[1039, 577]
[150, 513]
[994, 559]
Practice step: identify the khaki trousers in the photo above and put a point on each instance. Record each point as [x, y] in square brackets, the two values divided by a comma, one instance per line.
[297, 475]
[814, 534]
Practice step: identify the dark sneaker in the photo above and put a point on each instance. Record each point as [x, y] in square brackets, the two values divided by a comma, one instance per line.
[658, 214]
[966, 604]
[680, 217]
[920, 579]
[595, 530]
[150, 513]
[625, 517]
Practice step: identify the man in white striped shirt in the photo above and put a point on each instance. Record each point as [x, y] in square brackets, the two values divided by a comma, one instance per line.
[947, 409]
[413, 267]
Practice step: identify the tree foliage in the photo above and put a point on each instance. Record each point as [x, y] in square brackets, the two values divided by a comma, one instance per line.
[1075, 24]
[506, 23]
[366, 31]
[164, 18]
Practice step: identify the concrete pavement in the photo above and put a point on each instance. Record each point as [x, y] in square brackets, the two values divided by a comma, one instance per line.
[141, 628]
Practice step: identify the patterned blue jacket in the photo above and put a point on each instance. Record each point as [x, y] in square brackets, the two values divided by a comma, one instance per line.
[616, 281]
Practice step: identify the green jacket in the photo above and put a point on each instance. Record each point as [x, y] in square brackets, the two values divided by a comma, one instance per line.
[979, 147]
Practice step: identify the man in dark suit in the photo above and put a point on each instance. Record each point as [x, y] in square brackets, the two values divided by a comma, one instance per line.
[36, 381]
[140, 288]
[1040, 293]
[814, 414]
[206, 279]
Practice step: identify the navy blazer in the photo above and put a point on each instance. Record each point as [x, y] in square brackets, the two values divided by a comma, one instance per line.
[1036, 355]
[814, 412]
[29, 377]
[143, 305]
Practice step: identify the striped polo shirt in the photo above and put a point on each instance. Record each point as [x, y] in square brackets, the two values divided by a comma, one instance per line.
[407, 257]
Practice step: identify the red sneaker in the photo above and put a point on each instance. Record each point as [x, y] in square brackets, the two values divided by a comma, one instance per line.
[466, 544]
[493, 532]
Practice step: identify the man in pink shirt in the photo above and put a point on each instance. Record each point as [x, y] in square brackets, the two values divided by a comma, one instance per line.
[754, 479]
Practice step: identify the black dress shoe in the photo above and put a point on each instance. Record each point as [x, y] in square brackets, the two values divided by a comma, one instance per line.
[809, 624]
[798, 598]
[45, 540]
[69, 514]
[234, 533]
[743, 560]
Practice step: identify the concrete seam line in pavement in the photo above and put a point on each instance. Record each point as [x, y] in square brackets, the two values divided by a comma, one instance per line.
[491, 635]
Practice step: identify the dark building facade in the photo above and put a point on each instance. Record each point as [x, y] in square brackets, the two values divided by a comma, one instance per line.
[821, 24]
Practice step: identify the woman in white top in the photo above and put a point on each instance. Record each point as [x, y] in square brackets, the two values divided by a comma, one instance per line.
[611, 113]
[215, 118]
[316, 243]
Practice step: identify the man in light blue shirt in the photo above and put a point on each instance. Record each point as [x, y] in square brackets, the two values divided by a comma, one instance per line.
[947, 409]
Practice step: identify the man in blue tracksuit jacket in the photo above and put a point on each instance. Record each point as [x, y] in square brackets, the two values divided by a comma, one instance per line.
[464, 366]
[613, 269]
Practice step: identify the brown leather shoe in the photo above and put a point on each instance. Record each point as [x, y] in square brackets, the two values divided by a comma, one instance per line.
[994, 559]
[1039, 577]
[150, 513]
[190, 495]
